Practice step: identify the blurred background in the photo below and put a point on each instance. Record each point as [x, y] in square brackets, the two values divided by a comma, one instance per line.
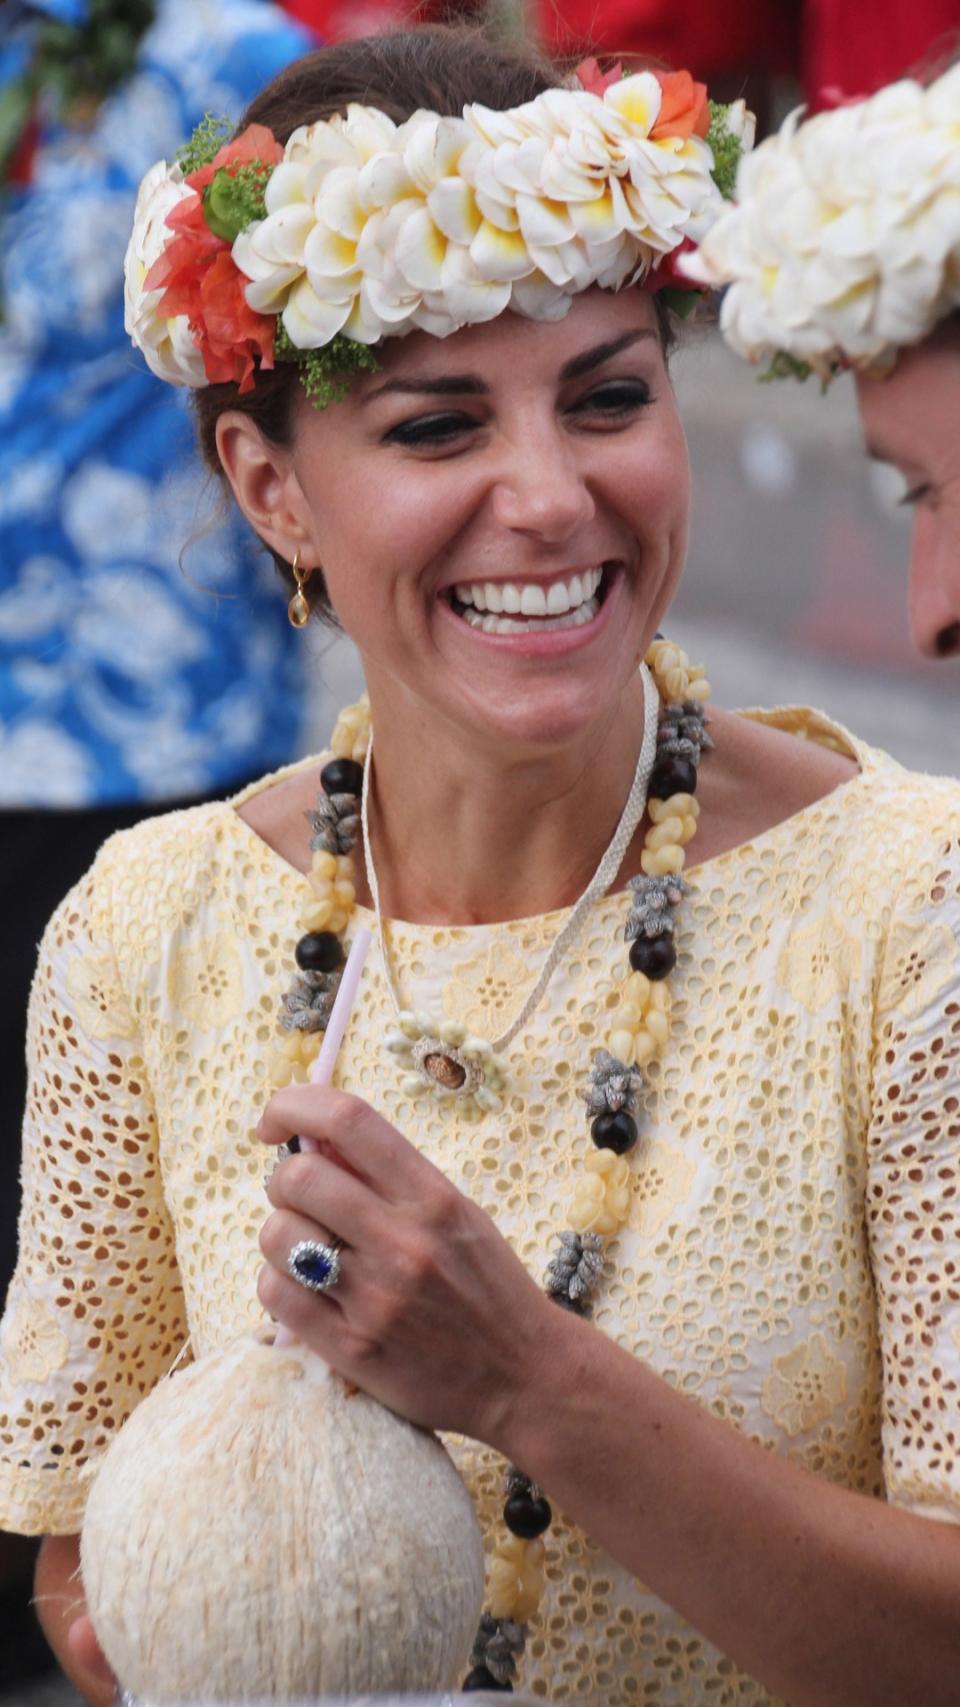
[125, 687]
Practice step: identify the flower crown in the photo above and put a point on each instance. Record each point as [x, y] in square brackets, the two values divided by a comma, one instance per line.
[245, 253]
[842, 244]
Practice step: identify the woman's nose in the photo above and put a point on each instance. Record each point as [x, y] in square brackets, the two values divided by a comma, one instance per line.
[934, 594]
[543, 491]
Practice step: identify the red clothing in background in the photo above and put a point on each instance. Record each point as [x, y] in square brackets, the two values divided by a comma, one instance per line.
[706, 36]
[852, 47]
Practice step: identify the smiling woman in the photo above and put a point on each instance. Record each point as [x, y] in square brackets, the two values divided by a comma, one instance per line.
[637, 1176]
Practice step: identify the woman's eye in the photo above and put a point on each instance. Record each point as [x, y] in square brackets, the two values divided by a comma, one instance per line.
[618, 397]
[430, 430]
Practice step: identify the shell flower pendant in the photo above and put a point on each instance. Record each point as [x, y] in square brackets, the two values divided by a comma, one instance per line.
[447, 1061]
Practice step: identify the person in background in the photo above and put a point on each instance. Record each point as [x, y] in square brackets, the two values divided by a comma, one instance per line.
[843, 252]
[834, 49]
[145, 659]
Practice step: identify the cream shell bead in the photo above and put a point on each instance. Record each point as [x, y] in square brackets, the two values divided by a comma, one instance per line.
[351, 735]
[663, 862]
[678, 806]
[601, 1195]
[637, 989]
[628, 1017]
[620, 1044]
[515, 1576]
[256, 1531]
[317, 917]
[644, 1048]
[661, 836]
[658, 1027]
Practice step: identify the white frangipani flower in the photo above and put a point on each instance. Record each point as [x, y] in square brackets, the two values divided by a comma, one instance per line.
[167, 345]
[374, 229]
[843, 244]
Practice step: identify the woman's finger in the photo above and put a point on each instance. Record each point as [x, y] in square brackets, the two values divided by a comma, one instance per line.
[318, 1190]
[369, 1144]
[282, 1232]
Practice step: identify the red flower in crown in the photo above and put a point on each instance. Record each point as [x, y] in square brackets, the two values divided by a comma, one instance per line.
[593, 80]
[200, 279]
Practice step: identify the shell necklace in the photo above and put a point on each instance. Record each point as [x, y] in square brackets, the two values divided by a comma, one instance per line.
[443, 1057]
[445, 1060]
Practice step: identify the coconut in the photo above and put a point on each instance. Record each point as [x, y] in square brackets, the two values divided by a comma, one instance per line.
[260, 1530]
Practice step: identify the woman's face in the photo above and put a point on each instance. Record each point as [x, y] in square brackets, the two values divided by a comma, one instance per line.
[912, 420]
[501, 516]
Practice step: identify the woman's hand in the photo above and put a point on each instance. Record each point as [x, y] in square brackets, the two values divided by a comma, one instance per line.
[433, 1314]
[61, 1608]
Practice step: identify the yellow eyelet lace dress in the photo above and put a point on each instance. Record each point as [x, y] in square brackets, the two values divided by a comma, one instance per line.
[791, 1257]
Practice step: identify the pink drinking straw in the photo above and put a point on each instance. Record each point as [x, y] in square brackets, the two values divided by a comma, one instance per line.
[321, 1073]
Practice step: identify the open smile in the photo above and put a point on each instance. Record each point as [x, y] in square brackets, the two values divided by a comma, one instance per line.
[533, 607]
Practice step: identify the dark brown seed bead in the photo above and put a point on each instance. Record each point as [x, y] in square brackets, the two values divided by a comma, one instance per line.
[654, 956]
[319, 951]
[672, 775]
[617, 1132]
[527, 1518]
[342, 776]
[481, 1678]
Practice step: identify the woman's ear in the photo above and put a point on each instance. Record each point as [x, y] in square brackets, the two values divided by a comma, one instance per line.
[266, 487]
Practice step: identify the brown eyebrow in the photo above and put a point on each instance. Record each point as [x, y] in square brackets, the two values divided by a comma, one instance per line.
[471, 385]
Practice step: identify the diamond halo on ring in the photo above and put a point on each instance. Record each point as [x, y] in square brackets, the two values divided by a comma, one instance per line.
[314, 1265]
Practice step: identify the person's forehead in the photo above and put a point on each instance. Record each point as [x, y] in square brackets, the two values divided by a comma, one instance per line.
[593, 317]
[902, 410]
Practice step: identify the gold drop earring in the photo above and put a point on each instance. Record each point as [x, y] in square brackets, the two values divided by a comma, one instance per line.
[298, 610]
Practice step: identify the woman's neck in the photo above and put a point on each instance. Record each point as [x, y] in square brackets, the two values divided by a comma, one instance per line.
[461, 835]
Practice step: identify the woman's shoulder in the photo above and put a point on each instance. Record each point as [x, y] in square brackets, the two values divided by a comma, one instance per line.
[801, 796]
[200, 852]
[855, 781]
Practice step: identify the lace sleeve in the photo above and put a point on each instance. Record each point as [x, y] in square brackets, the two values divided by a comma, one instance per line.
[913, 1206]
[95, 1313]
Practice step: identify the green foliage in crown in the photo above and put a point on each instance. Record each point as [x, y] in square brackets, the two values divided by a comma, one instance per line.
[234, 199]
[326, 374]
[727, 149]
[205, 143]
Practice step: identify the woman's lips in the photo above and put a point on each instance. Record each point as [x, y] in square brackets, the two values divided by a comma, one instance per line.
[523, 631]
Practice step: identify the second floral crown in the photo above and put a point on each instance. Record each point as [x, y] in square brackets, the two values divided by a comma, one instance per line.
[245, 253]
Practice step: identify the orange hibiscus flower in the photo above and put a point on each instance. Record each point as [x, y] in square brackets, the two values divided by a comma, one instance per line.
[200, 279]
[683, 108]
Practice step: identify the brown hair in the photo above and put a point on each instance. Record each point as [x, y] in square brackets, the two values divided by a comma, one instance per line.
[438, 67]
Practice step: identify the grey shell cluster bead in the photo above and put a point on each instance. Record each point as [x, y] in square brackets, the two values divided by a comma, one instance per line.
[308, 1004]
[683, 732]
[515, 1482]
[335, 823]
[576, 1267]
[612, 1086]
[498, 1645]
[652, 906]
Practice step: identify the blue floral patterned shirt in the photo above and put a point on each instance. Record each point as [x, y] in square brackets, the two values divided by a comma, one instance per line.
[144, 648]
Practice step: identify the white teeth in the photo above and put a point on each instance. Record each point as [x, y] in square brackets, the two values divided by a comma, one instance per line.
[490, 624]
[530, 598]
